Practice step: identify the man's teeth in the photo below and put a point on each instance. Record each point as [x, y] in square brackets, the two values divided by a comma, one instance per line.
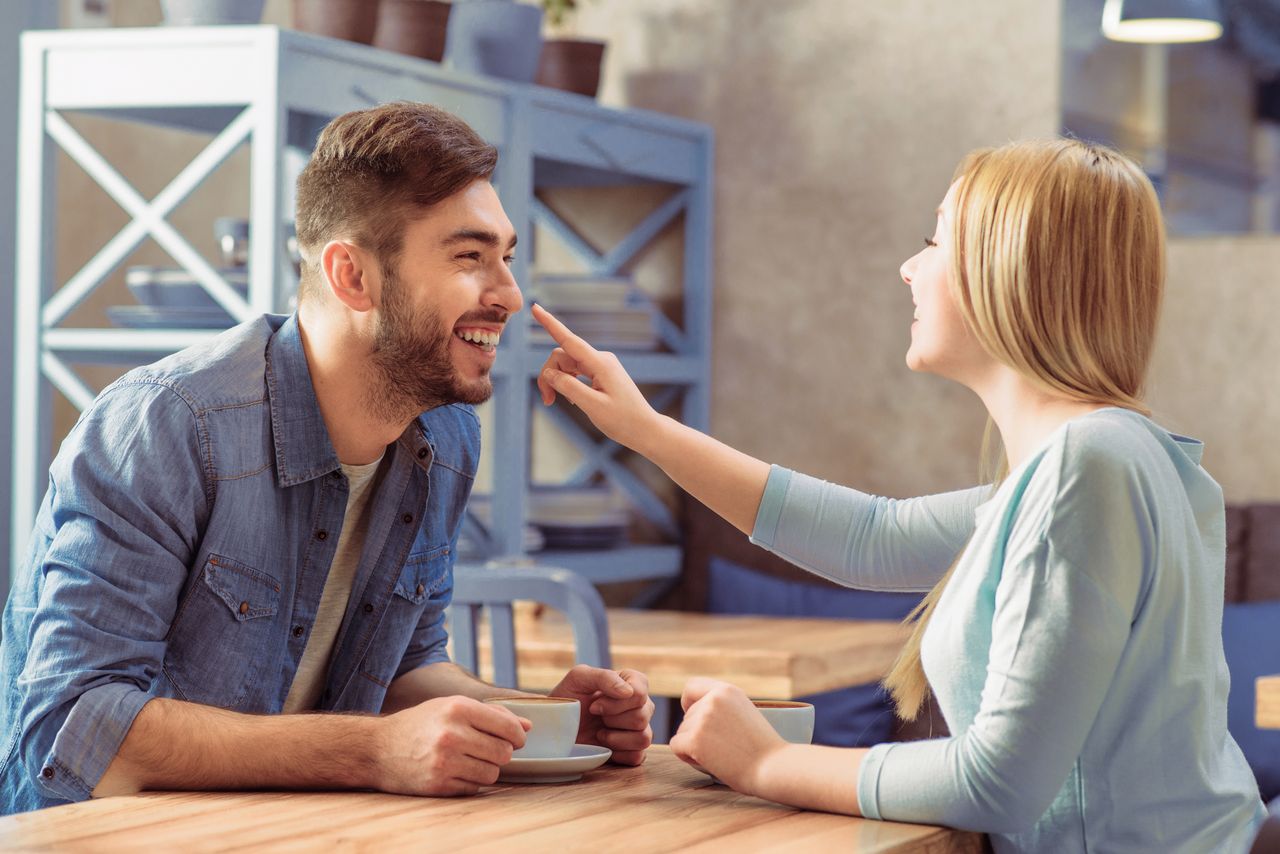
[480, 336]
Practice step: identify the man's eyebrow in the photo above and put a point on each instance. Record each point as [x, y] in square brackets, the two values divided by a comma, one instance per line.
[488, 238]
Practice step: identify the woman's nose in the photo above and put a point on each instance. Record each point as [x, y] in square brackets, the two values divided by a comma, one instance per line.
[907, 270]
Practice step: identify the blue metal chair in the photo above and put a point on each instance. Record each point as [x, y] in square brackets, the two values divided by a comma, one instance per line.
[496, 588]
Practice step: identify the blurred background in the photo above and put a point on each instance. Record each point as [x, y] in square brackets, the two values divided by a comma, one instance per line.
[837, 126]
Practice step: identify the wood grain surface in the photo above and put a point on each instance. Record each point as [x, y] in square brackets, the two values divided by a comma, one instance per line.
[663, 805]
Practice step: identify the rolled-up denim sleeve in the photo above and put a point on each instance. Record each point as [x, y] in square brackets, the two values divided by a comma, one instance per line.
[116, 533]
[430, 641]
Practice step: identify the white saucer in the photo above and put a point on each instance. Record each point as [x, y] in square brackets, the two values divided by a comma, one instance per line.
[564, 769]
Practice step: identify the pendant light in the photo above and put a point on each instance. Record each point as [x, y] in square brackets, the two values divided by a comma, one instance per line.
[1162, 21]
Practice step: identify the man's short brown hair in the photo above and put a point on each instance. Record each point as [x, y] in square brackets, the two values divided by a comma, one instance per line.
[373, 170]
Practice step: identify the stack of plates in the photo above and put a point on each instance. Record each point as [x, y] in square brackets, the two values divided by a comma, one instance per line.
[171, 297]
[578, 517]
[608, 312]
[561, 517]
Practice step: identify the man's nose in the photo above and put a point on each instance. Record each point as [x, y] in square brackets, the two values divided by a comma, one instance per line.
[506, 292]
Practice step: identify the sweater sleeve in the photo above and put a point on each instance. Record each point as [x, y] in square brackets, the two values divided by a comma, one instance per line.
[1066, 596]
[862, 540]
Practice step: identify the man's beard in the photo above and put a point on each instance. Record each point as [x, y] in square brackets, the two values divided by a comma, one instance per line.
[412, 367]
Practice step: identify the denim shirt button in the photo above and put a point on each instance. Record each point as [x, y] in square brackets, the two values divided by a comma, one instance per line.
[320, 535]
[297, 631]
[244, 607]
[422, 453]
[420, 589]
[46, 772]
[407, 518]
[368, 608]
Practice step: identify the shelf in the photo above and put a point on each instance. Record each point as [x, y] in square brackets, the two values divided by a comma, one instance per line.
[644, 367]
[271, 90]
[607, 566]
[123, 346]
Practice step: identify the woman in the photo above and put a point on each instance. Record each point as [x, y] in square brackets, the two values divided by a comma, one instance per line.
[1071, 634]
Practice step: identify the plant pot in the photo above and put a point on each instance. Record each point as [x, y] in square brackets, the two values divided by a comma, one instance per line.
[190, 13]
[499, 38]
[415, 27]
[572, 65]
[353, 20]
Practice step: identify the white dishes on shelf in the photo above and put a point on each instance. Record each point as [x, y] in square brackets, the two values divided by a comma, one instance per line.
[562, 517]
[609, 312]
[171, 298]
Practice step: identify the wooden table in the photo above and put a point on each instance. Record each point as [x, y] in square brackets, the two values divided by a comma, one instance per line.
[768, 657]
[662, 806]
[1268, 712]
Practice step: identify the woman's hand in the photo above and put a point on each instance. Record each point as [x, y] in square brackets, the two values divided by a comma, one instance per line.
[724, 734]
[612, 401]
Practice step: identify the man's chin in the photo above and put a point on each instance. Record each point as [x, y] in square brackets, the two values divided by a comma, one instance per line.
[473, 391]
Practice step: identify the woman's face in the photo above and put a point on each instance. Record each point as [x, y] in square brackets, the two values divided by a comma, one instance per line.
[941, 342]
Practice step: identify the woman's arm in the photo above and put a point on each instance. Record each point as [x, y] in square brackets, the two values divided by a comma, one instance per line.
[841, 533]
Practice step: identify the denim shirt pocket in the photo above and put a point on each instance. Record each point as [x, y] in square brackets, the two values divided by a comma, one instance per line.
[222, 637]
[423, 574]
[421, 578]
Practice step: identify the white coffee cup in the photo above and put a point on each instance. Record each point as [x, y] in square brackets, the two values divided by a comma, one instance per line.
[791, 719]
[555, 725]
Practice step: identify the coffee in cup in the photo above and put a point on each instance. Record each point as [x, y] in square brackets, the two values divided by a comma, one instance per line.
[555, 725]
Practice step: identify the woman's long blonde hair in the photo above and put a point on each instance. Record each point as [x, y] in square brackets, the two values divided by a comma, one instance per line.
[1058, 269]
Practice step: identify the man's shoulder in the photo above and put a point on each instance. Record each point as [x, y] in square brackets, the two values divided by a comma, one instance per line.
[227, 370]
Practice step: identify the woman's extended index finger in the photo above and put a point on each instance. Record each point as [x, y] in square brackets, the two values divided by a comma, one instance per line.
[572, 344]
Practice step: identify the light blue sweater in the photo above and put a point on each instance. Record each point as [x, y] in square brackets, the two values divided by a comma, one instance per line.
[1076, 653]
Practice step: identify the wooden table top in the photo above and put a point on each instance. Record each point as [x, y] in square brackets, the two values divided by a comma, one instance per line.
[1268, 713]
[663, 805]
[768, 657]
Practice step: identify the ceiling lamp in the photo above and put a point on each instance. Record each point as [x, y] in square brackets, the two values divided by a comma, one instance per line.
[1162, 21]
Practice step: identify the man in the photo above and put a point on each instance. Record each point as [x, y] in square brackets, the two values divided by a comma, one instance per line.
[265, 525]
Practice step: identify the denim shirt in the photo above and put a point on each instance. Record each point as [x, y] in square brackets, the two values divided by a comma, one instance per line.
[183, 545]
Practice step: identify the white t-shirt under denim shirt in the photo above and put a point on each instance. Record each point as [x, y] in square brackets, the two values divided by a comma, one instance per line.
[308, 681]
[1081, 673]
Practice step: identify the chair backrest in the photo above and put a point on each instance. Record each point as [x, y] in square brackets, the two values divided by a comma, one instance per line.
[495, 588]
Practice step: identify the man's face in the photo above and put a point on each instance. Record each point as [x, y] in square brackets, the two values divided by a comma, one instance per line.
[444, 307]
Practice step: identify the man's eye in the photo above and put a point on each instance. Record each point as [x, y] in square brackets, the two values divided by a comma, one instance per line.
[509, 260]
[470, 256]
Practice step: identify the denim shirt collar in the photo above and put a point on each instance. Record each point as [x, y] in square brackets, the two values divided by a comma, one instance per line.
[302, 446]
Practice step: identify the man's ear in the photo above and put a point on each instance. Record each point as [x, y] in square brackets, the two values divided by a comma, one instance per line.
[350, 275]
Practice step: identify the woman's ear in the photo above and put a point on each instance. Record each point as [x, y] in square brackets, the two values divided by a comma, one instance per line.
[350, 275]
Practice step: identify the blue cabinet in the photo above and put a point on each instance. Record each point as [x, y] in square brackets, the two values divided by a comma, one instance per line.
[273, 89]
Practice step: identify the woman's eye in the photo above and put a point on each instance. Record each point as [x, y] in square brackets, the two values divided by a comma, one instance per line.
[928, 241]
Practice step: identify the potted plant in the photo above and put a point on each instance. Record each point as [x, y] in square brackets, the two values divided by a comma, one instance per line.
[353, 20]
[415, 27]
[501, 38]
[568, 62]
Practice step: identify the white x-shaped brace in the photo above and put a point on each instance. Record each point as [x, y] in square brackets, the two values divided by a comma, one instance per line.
[148, 217]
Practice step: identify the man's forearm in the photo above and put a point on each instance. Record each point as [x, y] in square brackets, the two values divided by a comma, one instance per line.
[178, 745]
[443, 679]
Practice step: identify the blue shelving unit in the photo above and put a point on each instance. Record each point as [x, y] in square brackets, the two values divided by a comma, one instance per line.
[274, 89]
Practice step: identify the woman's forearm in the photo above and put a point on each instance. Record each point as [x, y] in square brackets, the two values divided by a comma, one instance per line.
[812, 777]
[726, 480]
